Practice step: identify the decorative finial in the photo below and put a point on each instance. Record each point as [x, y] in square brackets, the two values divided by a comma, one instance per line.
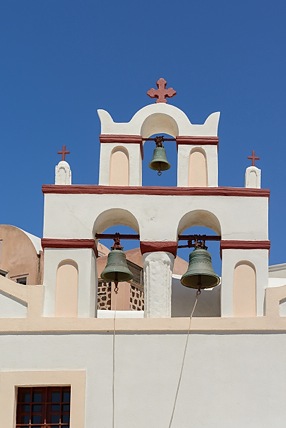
[161, 93]
[253, 158]
[64, 152]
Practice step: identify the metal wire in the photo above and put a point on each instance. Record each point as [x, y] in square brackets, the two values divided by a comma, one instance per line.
[183, 360]
[113, 355]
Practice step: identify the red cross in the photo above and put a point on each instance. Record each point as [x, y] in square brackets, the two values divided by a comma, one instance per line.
[64, 152]
[161, 93]
[253, 158]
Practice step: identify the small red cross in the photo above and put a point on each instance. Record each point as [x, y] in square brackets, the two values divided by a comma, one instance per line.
[64, 152]
[161, 93]
[253, 158]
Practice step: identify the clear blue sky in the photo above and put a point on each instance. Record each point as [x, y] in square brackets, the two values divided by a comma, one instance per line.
[61, 60]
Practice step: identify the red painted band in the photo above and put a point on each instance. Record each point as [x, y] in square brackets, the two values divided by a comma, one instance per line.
[154, 190]
[123, 139]
[69, 243]
[151, 246]
[244, 245]
[126, 139]
[197, 140]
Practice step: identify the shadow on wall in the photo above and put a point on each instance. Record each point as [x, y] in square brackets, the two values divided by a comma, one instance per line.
[183, 300]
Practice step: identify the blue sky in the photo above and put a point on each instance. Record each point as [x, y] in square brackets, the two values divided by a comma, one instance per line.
[61, 60]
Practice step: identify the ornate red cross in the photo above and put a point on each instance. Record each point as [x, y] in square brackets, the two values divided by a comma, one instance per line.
[64, 152]
[253, 158]
[161, 93]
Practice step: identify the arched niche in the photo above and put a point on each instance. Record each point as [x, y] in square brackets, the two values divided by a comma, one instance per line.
[67, 289]
[119, 167]
[197, 174]
[244, 290]
[199, 218]
[115, 216]
[159, 123]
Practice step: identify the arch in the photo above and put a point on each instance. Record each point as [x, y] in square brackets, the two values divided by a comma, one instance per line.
[244, 289]
[67, 289]
[199, 218]
[197, 174]
[115, 216]
[119, 167]
[159, 123]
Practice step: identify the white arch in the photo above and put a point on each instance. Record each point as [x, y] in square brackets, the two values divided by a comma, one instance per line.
[199, 218]
[179, 125]
[115, 216]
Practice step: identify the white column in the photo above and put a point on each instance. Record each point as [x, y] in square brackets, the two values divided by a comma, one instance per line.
[158, 267]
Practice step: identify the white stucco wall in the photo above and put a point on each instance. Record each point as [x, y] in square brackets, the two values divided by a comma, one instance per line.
[158, 216]
[229, 380]
[11, 307]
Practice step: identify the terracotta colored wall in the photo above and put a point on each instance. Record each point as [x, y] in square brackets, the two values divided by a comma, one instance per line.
[18, 255]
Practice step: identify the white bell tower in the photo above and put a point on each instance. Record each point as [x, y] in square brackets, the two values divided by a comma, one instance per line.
[75, 214]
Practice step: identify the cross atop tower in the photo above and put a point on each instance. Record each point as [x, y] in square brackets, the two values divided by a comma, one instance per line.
[161, 93]
[64, 152]
[253, 158]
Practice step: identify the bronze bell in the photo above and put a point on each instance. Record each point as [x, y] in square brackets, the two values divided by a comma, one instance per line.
[159, 162]
[200, 273]
[116, 269]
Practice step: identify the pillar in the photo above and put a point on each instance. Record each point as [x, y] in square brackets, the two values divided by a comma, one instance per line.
[158, 268]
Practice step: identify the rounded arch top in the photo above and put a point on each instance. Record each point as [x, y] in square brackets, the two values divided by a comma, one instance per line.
[113, 217]
[199, 218]
[159, 117]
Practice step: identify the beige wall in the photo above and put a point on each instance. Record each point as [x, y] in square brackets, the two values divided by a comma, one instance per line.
[119, 168]
[244, 291]
[18, 255]
[197, 169]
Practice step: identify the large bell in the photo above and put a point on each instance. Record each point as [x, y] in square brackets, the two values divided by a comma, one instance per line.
[159, 162]
[116, 269]
[200, 273]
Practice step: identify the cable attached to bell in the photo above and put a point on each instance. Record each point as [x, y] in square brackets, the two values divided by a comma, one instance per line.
[113, 354]
[198, 292]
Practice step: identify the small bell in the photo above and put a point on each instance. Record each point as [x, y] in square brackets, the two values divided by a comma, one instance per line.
[116, 269]
[200, 273]
[159, 162]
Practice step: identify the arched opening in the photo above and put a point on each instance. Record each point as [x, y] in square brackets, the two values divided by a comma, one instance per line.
[160, 124]
[198, 223]
[150, 176]
[119, 167]
[197, 175]
[67, 289]
[244, 290]
[130, 296]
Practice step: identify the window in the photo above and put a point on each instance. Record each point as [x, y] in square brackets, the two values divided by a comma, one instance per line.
[3, 272]
[43, 407]
[21, 280]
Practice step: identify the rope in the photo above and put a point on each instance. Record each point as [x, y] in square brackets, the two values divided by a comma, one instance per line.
[113, 357]
[184, 357]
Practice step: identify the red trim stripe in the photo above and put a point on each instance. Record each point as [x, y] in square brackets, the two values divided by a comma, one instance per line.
[154, 190]
[197, 141]
[151, 246]
[126, 139]
[244, 245]
[69, 243]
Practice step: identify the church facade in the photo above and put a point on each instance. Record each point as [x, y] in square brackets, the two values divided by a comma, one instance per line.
[78, 352]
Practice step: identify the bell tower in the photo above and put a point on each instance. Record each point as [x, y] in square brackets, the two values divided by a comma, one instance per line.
[159, 215]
